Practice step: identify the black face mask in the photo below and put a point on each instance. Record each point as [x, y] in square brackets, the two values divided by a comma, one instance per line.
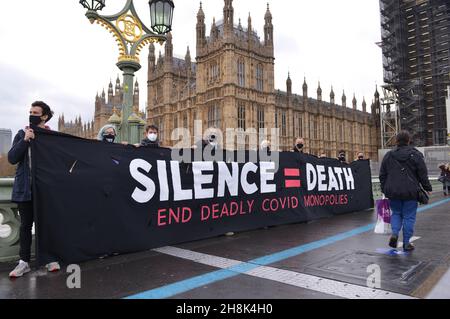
[109, 138]
[35, 120]
[300, 146]
[361, 158]
[342, 158]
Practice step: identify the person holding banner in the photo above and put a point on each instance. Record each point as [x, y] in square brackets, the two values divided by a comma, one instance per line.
[20, 155]
[152, 139]
[107, 134]
[299, 145]
[341, 157]
[402, 172]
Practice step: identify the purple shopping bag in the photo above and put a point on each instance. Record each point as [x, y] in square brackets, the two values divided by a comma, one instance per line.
[384, 210]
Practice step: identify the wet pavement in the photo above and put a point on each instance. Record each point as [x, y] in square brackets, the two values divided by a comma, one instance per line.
[329, 258]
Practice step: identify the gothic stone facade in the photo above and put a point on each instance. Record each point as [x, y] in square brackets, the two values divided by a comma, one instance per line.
[231, 85]
[104, 109]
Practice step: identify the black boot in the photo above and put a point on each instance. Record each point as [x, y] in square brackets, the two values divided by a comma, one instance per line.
[409, 247]
[393, 242]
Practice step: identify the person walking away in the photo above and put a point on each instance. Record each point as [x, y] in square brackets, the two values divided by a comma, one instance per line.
[445, 178]
[401, 171]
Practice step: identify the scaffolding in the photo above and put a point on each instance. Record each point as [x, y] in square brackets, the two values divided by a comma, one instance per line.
[416, 55]
[389, 116]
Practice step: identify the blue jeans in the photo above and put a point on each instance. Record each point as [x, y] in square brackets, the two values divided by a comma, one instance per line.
[404, 215]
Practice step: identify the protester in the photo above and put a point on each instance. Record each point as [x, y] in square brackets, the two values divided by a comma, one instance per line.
[210, 143]
[341, 156]
[360, 156]
[107, 134]
[401, 172]
[445, 178]
[299, 145]
[152, 138]
[265, 147]
[20, 154]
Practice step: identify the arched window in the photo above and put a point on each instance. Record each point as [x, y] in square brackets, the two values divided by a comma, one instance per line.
[261, 119]
[260, 78]
[241, 72]
[241, 117]
[300, 127]
[213, 72]
[214, 118]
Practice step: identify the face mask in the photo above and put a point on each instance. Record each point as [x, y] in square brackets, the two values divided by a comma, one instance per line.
[342, 158]
[361, 158]
[35, 120]
[152, 137]
[109, 138]
[300, 146]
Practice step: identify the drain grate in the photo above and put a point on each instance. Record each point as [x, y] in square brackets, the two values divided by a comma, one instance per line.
[395, 270]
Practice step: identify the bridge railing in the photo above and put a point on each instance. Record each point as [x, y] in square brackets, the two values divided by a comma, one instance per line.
[9, 222]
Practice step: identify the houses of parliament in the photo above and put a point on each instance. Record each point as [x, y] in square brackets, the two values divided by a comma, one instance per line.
[231, 86]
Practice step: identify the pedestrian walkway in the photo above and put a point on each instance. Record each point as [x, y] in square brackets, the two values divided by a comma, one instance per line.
[329, 258]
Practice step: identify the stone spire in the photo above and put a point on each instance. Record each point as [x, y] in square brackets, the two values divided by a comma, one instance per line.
[201, 28]
[268, 28]
[289, 85]
[332, 96]
[228, 16]
[305, 89]
[319, 93]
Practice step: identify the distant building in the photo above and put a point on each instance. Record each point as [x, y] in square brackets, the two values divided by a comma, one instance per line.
[230, 84]
[105, 107]
[5, 141]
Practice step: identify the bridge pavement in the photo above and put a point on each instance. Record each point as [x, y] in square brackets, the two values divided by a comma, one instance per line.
[329, 258]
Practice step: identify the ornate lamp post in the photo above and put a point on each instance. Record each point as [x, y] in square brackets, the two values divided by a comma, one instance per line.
[131, 36]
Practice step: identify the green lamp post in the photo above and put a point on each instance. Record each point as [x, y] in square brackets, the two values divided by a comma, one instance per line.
[131, 36]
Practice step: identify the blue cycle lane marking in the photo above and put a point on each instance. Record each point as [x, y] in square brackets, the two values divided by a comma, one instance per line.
[212, 277]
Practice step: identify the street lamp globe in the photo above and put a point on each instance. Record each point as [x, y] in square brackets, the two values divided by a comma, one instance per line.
[93, 5]
[161, 14]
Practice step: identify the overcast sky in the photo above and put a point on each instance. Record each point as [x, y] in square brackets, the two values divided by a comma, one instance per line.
[50, 51]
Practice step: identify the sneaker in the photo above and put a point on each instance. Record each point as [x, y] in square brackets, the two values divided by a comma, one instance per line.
[393, 242]
[409, 247]
[229, 234]
[21, 269]
[53, 267]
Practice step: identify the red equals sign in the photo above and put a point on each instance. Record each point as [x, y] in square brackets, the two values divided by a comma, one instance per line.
[292, 183]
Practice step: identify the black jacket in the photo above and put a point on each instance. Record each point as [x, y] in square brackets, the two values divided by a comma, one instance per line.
[19, 155]
[396, 166]
[149, 144]
[446, 175]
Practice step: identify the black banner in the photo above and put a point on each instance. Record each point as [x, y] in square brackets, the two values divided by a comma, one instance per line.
[92, 198]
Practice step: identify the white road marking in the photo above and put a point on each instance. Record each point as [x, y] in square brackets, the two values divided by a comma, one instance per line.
[322, 285]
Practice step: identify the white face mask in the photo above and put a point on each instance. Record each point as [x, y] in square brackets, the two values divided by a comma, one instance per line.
[153, 137]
